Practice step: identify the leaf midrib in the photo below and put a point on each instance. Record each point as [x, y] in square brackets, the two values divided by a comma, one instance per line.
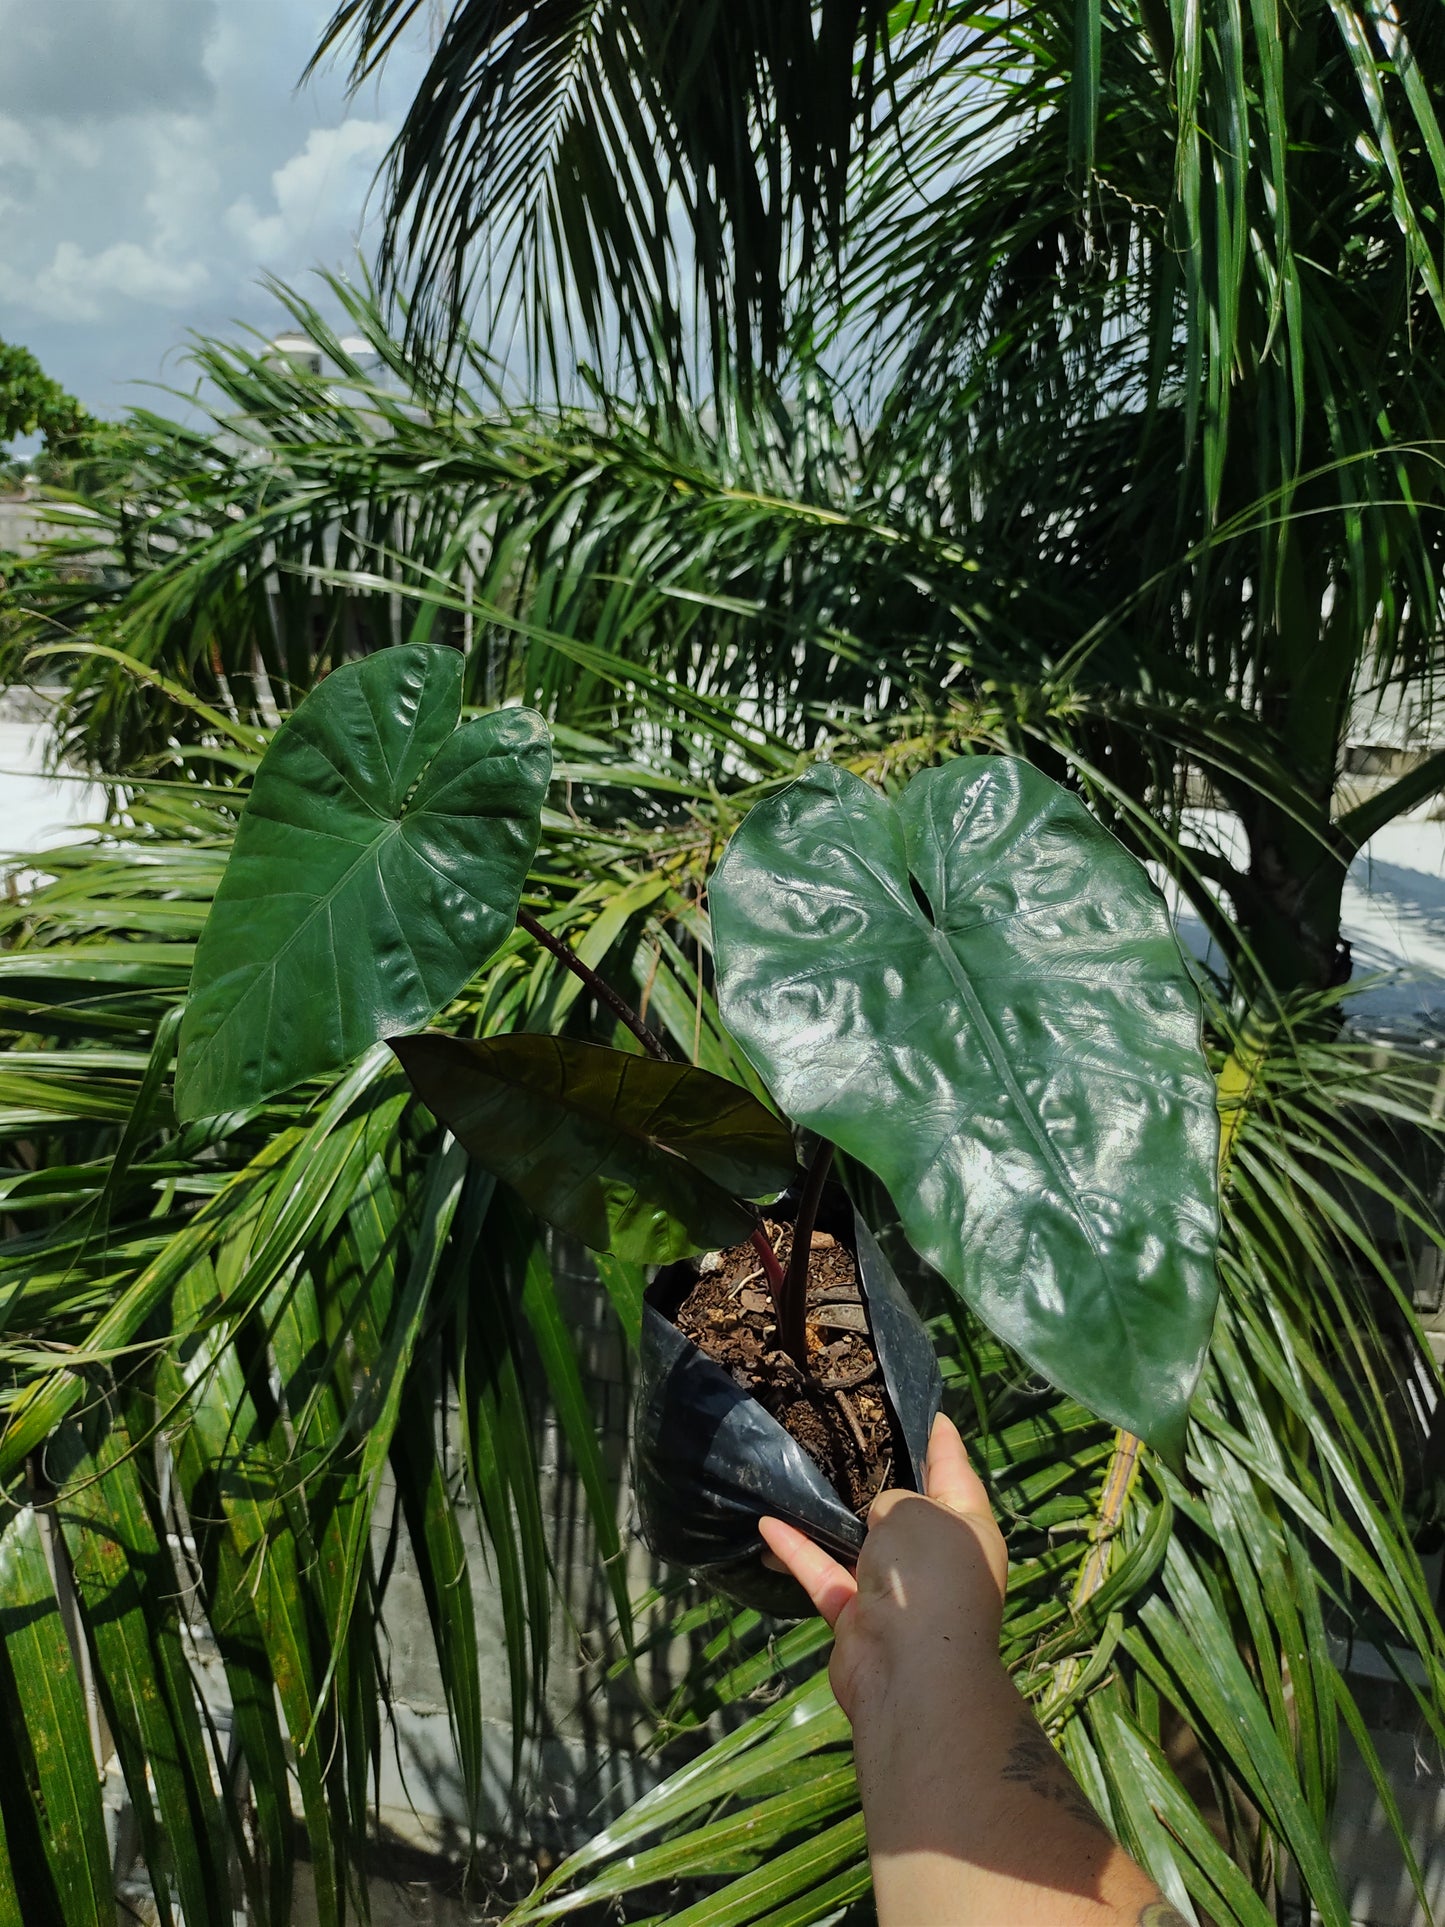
[998, 1057]
[266, 972]
[392, 828]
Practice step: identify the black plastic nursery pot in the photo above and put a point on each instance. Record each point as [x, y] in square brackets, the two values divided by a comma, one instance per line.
[710, 1461]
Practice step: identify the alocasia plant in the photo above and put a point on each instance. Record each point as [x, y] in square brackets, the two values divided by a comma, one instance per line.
[974, 991]
[379, 861]
[977, 993]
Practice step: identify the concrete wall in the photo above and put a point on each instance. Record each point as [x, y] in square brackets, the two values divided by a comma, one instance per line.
[586, 1766]
[21, 525]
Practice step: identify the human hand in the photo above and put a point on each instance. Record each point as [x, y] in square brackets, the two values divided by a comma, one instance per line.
[928, 1593]
[972, 1817]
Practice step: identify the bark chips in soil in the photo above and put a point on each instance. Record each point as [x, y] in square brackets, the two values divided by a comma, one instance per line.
[840, 1414]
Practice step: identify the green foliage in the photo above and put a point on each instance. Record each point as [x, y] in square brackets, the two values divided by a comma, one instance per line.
[1018, 1057]
[1131, 468]
[1162, 285]
[1139, 308]
[977, 994]
[378, 863]
[632, 563]
[276, 1302]
[54, 1827]
[556, 129]
[31, 402]
[149, 1270]
[1228, 1598]
[122, 1573]
[603, 567]
[644, 1159]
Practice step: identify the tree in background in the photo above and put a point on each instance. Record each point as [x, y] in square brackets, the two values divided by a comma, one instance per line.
[1148, 296]
[31, 403]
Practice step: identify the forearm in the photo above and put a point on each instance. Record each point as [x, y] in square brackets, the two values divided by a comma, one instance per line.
[974, 1819]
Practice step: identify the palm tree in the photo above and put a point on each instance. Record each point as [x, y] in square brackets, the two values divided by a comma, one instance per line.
[312, 518]
[1145, 300]
[1134, 301]
[217, 1340]
[1063, 400]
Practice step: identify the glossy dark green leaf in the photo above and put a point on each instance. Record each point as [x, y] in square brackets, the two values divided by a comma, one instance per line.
[378, 863]
[629, 1154]
[978, 994]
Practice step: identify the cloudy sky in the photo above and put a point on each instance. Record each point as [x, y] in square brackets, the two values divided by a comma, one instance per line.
[156, 157]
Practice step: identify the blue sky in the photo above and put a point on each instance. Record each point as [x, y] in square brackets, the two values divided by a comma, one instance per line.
[156, 158]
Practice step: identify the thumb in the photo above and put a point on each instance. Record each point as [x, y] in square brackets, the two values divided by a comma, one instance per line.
[947, 1475]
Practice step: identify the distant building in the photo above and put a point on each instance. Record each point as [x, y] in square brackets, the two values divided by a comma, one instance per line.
[22, 523]
[300, 350]
[305, 354]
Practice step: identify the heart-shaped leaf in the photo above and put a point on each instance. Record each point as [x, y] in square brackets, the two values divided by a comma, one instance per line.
[979, 995]
[378, 863]
[630, 1155]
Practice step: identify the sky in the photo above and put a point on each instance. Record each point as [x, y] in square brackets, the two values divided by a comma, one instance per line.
[157, 157]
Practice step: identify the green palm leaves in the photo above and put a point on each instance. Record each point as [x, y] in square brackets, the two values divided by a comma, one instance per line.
[1165, 291]
[378, 864]
[348, 1247]
[59, 1831]
[302, 1237]
[978, 994]
[556, 127]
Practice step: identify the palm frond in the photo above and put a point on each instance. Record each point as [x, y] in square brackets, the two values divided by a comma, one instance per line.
[219, 1345]
[1202, 1692]
[586, 161]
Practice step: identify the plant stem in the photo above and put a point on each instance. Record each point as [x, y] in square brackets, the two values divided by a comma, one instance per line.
[793, 1300]
[762, 1244]
[654, 1046]
[603, 992]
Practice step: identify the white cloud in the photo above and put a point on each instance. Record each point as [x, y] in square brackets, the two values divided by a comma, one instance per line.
[88, 59]
[17, 143]
[73, 285]
[156, 158]
[318, 193]
[17, 166]
[185, 183]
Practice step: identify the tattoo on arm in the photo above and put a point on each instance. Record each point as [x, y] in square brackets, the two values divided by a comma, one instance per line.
[1032, 1762]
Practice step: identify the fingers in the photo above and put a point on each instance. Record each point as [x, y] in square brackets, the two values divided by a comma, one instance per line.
[949, 1480]
[829, 1585]
[948, 1476]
